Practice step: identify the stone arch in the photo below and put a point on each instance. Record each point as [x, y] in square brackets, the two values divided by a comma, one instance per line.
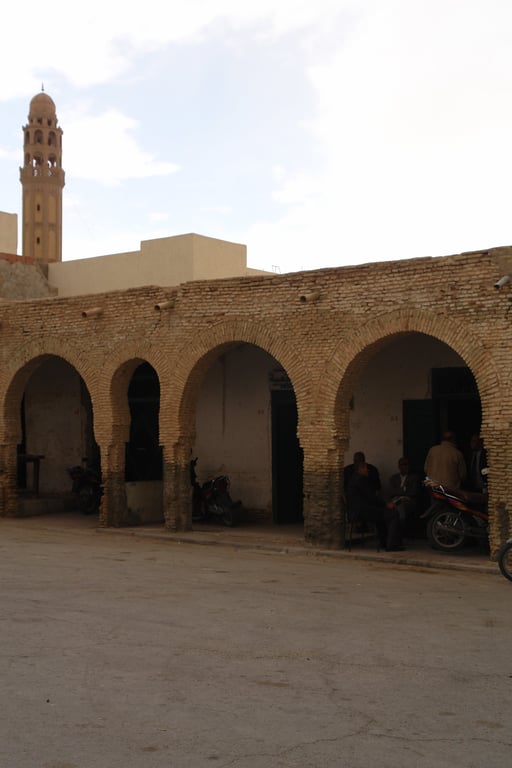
[16, 375]
[193, 359]
[119, 384]
[116, 376]
[197, 355]
[349, 359]
[21, 367]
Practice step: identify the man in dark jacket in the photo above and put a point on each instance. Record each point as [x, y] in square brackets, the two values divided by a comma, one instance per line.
[365, 504]
[404, 490]
[350, 469]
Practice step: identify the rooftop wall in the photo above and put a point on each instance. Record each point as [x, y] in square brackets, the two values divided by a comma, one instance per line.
[167, 261]
[8, 233]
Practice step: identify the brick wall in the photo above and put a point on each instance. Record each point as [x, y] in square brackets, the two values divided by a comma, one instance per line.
[323, 343]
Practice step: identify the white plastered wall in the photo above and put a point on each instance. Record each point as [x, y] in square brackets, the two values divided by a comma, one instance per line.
[233, 425]
[54, 423]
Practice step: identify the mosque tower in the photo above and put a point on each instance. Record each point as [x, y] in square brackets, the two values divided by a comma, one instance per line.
[42, 179]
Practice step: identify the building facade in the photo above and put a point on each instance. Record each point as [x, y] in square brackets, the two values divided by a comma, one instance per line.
[315, 337]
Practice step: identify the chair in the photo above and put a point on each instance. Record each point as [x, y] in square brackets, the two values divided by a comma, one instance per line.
[351, 526]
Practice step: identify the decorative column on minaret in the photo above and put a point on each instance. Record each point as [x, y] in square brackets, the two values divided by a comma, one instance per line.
[42, 179]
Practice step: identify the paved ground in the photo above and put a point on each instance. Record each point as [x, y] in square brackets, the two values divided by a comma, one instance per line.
[128, 651]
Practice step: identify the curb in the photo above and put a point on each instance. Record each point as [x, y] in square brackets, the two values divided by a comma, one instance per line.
[286, 549]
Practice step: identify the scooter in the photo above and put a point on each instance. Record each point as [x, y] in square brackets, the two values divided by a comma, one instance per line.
[87, 488]
[454, 517]
[212, 500]
[505, 560]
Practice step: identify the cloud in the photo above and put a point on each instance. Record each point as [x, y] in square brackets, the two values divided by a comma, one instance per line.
[297, 188]
[410, 128]
[103, 148]
[223, 210]
[102, 43]
[405, 151]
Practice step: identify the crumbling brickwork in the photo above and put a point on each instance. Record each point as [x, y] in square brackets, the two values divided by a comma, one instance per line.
[322, 326]
[21, 278]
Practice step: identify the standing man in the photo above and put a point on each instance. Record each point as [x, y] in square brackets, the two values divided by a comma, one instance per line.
[445, 463]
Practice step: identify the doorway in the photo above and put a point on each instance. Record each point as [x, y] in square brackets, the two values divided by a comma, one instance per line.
[455, 405]
[143, 453]
[287, 460]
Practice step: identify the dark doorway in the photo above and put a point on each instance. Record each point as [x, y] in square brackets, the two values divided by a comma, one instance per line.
[420, 430]
[143, 452]
[455, 405]
[287, 460]
[92, 457]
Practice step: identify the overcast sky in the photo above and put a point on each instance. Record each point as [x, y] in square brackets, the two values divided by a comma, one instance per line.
[319, 133]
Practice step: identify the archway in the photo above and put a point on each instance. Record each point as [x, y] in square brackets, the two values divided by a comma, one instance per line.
[405, 390]
[134, 489]
[411, 389]
[50, 414]
[245, 426]
[143, 452]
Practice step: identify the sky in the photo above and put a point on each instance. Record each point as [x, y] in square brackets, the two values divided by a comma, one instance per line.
[318, 133]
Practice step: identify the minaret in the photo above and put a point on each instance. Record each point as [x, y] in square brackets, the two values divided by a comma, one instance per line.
[42, 179]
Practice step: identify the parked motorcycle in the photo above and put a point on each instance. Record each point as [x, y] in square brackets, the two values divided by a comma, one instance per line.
[87, 488]
[212, 500]
[505, 559]
[454, 517]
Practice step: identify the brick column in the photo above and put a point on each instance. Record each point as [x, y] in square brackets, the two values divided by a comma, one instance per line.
[499, 456]
[177, 491]
[114, 510]
[322, 489]
[8, 475]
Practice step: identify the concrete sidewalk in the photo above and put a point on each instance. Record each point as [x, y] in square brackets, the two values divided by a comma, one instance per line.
[287, 539]
[290, 540]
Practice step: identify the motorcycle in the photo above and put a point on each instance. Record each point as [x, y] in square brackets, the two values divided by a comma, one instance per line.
[87, 488]
[454, 517]
[505, 559]
[212, 500]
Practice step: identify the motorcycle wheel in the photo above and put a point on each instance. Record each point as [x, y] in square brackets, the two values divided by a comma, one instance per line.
[446, 531]
[227, 508]
[505, 560]
[198, 511]
[228, 517]
[88, 500]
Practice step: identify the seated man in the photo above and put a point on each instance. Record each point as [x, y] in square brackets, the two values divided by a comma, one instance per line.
[350, 469]
[403, 490]
[364, 504]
